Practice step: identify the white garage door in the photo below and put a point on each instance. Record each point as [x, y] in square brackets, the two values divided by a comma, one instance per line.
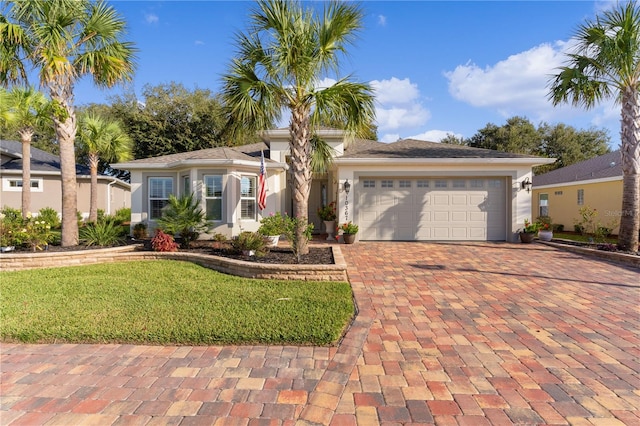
[439, 209]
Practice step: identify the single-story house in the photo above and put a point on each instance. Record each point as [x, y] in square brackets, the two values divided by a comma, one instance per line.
[596, 183]
[409, 190]
[46, 182]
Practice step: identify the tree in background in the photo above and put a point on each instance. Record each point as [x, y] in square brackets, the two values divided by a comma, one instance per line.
[64, 40]
[100, 138]
[606, 64]
[24, 109]
[559, 141]
[170, 119]
[280, 61]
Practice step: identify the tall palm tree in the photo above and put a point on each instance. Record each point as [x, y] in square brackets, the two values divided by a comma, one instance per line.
[65, 40]
[24, 109]
[280, 61]
[606, 64]
[101, 139]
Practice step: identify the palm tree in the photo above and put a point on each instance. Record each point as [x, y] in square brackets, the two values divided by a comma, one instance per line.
[101, 139]
[65, 40]
[24, 109]
[606, 64]
[280, 62]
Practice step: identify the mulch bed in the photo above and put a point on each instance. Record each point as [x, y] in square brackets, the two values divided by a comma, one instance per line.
[276, 255]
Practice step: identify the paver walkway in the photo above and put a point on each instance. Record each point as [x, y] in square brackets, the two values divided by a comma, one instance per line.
[460, 334]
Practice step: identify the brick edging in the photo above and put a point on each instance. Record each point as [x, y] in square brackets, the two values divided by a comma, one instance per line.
[25, 261]
[621, 258]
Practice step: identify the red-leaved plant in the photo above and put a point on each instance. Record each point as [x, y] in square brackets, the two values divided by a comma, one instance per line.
[163, 242]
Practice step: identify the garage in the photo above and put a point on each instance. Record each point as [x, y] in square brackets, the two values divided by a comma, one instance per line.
[432, 208]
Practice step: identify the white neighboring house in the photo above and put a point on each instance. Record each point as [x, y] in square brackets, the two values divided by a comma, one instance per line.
[409, 190]
[46, 183]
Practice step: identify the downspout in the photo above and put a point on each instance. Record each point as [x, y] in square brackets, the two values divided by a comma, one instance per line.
[109, 196]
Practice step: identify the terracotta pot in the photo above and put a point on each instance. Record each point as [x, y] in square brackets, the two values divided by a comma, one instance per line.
[349, 238]
[527, 237]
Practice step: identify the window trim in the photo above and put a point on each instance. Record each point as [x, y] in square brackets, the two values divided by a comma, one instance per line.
[6, 184]
[150, 198]
[205, 197]
[254, 198]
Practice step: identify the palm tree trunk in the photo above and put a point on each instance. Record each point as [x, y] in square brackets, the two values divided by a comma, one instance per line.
[25, 137]
[301, 172]
[66, 134]
[93, 201]
[630, 149]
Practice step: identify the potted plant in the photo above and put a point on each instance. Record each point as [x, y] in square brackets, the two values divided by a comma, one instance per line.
[272, 227]
[545, 231]
[349, 231]
[529, 231]
[328, 215]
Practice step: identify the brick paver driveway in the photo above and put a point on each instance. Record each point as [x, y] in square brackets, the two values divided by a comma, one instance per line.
[446, 333]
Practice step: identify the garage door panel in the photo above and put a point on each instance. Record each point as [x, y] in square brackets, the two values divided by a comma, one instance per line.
[475, 211]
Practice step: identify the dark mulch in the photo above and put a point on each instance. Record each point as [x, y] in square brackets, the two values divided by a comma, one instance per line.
[276, 255]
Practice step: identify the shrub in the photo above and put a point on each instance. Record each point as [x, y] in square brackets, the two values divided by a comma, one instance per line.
[163, 242]
[101, 233]
[123, 215]
[11, 214]
[185, 217]
[348, 228]
[250, 241]
[558, 227]
[50, 216]
[140, 231]
[272, 225]
[327, 212]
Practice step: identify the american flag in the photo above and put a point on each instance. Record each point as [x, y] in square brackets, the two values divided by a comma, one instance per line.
[262, 184]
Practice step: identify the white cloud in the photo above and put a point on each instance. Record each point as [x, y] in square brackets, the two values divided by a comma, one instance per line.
[434, 135]
[382, 20]
[398, 104]
[389, 137]
[199, 43]
[151, 18]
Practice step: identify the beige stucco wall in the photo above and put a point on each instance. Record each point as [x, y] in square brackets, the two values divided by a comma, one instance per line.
[51, 195]
[604, 196]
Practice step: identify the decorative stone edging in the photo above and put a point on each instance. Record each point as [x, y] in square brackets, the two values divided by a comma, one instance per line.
[622, 258]
[335, 272]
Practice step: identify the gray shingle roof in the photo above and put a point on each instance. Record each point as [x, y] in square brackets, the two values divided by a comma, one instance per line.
[244, 152]
[41, 161]
[605, 166]
[412, 148]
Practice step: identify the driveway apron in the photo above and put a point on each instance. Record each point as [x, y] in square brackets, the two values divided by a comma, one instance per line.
[447, 334]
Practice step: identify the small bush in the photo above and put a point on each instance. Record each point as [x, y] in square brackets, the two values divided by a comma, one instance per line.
[140, 231]
[102, 233]
[558, 227]
[272, 225]
[185, 217]
[163, 242]
[123, 215]
[50, 216]
[250, 241]
[578, 228]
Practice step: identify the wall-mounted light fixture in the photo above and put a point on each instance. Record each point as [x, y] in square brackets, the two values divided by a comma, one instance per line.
[346, 186]
[526, 184]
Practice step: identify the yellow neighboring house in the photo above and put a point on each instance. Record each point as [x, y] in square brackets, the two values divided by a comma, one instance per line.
[596, 183]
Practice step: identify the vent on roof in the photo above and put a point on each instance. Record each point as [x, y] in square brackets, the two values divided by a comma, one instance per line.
[612, 164]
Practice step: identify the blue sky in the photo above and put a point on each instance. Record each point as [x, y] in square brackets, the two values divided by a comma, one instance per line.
[437, 67]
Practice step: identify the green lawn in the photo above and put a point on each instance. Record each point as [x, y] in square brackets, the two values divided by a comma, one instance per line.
[168, 302]
[579, 237]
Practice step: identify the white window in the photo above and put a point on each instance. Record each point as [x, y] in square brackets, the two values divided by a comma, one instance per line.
[477, 183]
[369, 183]
[186, 185]
[459, 183]
[405, 184]
[441, 183]
[248, 198]
[387, 184]
[15, 185]
[423, 184]
[544, 204]
[159, 190]
[580, 197]
[213, 197]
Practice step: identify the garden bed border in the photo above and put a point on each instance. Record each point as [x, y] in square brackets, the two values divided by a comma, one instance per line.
[621, 258]
[24, 261]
